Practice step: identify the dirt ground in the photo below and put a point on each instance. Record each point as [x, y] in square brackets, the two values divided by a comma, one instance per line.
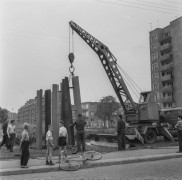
[5, 154]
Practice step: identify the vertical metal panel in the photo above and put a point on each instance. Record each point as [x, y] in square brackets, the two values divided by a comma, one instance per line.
[39, 120]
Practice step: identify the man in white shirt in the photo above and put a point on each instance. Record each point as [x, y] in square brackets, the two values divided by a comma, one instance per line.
[62, 140]
[49, 144]
[11, 134]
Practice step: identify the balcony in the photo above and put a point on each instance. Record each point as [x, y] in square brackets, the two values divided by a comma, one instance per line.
[168, 88]
[166, 78]
[166, 67]
[165, 40]
[166, 48]
[167, 99]
[166, 57]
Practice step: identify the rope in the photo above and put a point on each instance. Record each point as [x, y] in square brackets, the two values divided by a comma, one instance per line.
[130, 83]
[130, 79]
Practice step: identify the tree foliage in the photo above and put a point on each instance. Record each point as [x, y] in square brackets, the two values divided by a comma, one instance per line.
[106, 107]
[3, 115]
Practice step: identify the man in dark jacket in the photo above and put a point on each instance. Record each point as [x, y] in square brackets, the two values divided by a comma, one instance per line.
[5, 135]
[179, 128]
[121, 129]
[80, 134]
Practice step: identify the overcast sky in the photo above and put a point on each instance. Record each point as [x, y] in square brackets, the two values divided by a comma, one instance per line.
[34, 44]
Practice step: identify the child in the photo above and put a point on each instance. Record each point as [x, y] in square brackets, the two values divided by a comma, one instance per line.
[62, 141]
[49, 144]
[24, 146]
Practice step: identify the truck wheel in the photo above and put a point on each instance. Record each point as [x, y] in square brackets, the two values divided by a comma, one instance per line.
[150, 137]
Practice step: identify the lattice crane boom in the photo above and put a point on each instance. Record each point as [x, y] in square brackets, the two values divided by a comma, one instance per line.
[109, 63]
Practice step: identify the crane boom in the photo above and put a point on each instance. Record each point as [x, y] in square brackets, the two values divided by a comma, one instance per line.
[109, 63]
[141, 116]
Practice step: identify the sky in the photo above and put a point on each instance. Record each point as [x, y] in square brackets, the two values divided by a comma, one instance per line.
[34, 44]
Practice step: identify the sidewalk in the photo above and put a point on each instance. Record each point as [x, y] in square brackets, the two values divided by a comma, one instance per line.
[12, 167]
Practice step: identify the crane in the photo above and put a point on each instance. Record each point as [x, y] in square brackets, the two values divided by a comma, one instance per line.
[142, 115]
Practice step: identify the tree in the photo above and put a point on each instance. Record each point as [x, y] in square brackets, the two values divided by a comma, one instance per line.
[106, 107]
[3, 115]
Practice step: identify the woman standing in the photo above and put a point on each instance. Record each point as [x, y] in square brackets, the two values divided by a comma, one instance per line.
[24, 146]
[11, 134]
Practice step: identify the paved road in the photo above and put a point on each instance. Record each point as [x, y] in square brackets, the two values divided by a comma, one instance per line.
[155, 170]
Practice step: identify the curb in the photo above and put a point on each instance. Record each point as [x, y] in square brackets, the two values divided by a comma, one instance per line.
[90, 164]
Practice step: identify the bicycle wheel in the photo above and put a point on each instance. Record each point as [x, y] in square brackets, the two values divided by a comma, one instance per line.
[92, 155]
[76, 157]
[70, 165]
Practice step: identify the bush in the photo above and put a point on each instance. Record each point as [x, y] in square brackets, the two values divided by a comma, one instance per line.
[17, 140]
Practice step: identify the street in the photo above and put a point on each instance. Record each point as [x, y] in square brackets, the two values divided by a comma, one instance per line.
[156, 170]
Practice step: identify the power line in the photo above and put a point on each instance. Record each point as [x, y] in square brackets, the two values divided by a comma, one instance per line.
[147, 5]
[158, 4]
[173, 2]
[107, 2]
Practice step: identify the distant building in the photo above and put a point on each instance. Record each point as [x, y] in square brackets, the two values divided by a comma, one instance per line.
[27, 113]
[12, 116]
[89, 110]
[166, 64]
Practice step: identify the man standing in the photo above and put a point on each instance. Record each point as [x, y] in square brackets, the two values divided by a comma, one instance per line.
[179, 128]
[63, 139]
[121, 128]
[11, 134]
[5, 135]
[80, 132]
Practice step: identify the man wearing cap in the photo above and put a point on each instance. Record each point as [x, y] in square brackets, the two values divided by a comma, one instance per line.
[121, 128]
[80, 132]
[179, 128]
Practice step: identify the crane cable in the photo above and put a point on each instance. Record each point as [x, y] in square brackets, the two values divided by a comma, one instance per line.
[71, 54]
[132, 82]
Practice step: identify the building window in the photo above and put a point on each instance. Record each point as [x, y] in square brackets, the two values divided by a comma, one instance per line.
[154, 66]
[154, 46]
[167, 105]
[158, 96]
[87, 114]
[155, 76]
[155, 86]
[167, 34]
[154, 38]
[154, 56]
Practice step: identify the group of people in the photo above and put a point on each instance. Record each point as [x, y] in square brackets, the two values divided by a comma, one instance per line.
[121, 130]
[9, 137]
[63, 139]
[9, 134]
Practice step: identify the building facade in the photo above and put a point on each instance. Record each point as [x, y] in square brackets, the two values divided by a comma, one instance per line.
[89, 112]
[12, 116]
[27, 113]
[166, 64]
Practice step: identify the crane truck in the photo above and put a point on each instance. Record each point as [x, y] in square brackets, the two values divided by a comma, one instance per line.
[142, 117]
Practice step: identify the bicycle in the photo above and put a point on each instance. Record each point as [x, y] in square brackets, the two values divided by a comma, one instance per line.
[67, 164]
[72, 163]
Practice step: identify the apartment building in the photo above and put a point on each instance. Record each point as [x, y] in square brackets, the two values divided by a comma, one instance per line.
[166, 64]
[89, 112]
[27, 113]
[12, 116]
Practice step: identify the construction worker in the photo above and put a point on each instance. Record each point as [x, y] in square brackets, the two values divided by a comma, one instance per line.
[121, 130]
[179, 128]
[80, 132]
